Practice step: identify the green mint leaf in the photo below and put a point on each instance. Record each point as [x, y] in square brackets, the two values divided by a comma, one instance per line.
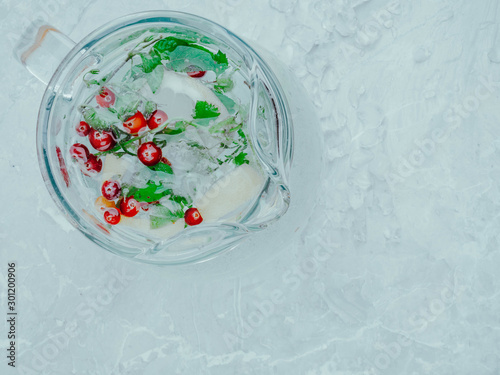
[163, 47]
[176, 128]
[242, 135]
[161, 216]
[98, 121]
[160, 221]
[204, 122]
[229, 103]
[149, 108]
[223, 84]
[160, 139]
[261, 112]
[237, 127]
[149, 63]
[241, 159]
[205, 110]
[183, 56]
[162, 167]
[183, 201]
[151, 193]
[222, 126]
[189, 59]
[201, 48]
[132, 36]
[195, 145]
[220, 58]
[133, 73]
[119, 154]
[155, 78]
[160, 142]
[120, 133]
[92, 82]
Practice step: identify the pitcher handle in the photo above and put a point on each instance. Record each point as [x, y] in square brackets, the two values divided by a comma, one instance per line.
[41, 49]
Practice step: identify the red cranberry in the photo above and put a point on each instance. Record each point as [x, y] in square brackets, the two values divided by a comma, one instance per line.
[111, 190]
[197, 74]
[106, 98]
[157, 118]
[149, 154]
[112, 216]
[102, 140]
[92, 166]
[135, 123]
[192, 216]
[83, 129]
[79, 152]
[129, 207]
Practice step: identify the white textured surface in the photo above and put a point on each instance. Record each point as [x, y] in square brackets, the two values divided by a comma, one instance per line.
[397, 272]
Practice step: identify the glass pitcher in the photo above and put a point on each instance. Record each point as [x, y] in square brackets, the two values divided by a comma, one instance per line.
[261, 199]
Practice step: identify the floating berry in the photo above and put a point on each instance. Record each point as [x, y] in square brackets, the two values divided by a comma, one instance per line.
[83, 129]
[106, 98]
[192, 216]
[102, 140]
[157, 118]
[79, 152]
[92, 166]
[129, 207]
[149, 154]
[197, 74]
[112, 216]
[135, 123]
[111, 190]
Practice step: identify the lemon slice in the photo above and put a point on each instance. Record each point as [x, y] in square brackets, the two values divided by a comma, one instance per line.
[229, 196]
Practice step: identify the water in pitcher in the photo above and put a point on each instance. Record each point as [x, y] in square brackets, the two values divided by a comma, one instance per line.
[160, 137]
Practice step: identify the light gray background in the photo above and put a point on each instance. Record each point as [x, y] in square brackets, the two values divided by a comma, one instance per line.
[396, 272]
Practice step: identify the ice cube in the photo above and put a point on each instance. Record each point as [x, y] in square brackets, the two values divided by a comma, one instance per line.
[304, 36]
[114, 166]
[185, 90]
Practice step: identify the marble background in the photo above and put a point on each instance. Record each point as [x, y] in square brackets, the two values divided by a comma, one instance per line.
[395, 273]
